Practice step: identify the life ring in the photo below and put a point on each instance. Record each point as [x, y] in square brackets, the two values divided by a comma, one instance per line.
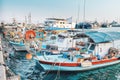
[30, 34]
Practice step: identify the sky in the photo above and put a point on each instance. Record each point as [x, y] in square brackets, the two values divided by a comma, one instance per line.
[100, 10]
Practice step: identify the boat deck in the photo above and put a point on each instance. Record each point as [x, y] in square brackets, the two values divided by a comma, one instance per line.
[55, 58]
[19, 48]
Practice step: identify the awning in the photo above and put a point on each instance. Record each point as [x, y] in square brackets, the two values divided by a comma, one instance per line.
[99, 37]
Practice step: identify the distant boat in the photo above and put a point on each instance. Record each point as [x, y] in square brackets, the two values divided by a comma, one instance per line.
[104, 25]
[84, 25]
[114, 24]
[55, 28]
[98, 51]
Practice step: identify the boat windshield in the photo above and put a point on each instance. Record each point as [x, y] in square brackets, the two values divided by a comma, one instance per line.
[92, 47]
[89, 46]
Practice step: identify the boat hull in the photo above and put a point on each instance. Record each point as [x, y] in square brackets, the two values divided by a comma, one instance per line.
[48, 67]
[17, 44]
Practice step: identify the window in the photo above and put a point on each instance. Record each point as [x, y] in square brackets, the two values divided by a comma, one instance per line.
[60, 22]
[92, 47]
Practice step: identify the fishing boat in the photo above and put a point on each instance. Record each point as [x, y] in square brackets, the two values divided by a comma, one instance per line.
[16, 37]
[16, 43]
[100, 49]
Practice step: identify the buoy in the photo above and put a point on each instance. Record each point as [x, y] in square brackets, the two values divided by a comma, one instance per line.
[28, 56]
[77, 49]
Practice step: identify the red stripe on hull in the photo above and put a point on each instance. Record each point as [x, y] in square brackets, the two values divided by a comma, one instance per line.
[60, 64]
[77, 64]
[104, 61]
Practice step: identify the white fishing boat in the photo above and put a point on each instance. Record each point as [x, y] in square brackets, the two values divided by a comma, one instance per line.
[57, 43]
[99, 50]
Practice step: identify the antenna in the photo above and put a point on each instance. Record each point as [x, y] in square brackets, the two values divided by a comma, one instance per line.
[25, 20]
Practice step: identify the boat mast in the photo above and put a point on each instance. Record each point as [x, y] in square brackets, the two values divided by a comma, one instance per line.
[84, 10]
[84, 16]
[78, 12]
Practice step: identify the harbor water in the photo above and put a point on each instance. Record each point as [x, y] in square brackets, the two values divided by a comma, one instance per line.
[29, 70]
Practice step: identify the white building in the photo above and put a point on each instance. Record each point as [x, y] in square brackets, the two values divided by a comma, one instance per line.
[60, 23]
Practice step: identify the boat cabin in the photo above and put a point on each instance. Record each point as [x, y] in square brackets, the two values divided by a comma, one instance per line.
[98, 43]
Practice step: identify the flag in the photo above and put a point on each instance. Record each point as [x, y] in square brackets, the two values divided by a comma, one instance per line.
[69, 20]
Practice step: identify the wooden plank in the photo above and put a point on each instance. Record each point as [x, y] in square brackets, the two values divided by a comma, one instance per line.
[2, 68]
[2, 73]
[14, 78]
[1, 58]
